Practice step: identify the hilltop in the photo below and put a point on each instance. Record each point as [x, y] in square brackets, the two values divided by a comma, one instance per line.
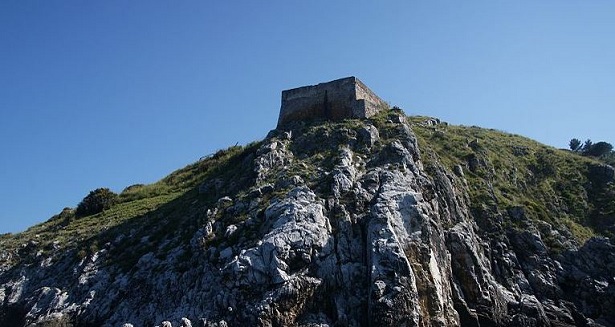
[386, 220]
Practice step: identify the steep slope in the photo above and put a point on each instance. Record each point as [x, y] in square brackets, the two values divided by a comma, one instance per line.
[386, 221]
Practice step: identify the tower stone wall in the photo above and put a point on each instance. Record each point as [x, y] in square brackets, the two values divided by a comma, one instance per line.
[336, 100]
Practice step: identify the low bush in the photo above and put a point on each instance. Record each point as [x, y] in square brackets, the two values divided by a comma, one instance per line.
[98, 200]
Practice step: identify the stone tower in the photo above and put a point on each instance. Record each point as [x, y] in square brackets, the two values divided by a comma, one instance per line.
[336, 100]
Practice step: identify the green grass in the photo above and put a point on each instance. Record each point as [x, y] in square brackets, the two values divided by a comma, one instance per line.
[512, 170]
[161, 207]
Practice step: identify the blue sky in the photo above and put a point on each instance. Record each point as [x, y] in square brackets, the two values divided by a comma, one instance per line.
[113, 93]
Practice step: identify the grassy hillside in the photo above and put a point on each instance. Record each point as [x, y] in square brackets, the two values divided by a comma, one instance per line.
[155, 209]
[506, 174]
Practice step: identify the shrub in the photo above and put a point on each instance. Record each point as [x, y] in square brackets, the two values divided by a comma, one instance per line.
[544, 165]
[587, 146]
[599, 149]
[98, 200]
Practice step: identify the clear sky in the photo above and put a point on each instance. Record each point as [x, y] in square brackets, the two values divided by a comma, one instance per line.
[112, 93]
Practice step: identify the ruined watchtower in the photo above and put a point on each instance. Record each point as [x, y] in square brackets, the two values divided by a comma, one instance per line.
[336, 100]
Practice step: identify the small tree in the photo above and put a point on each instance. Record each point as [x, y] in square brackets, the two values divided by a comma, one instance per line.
[599, 149]
[587, 146]
[575, 145]
[98, 200]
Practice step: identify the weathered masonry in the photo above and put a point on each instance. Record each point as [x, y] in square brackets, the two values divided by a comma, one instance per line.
[336, 100]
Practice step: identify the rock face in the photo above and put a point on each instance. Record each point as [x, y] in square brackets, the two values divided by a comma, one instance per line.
[365, 235]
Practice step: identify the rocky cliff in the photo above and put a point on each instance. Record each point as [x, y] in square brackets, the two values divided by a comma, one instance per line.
[389, 221]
